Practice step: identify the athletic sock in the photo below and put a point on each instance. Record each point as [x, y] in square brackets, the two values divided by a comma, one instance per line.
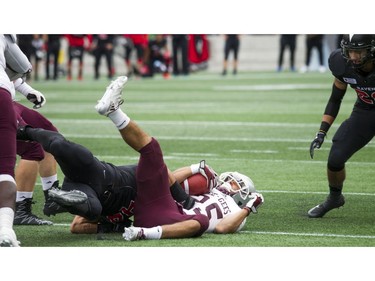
[6, 217]
[153, 233]
[22, 195]
[47, 182]
[119, 118]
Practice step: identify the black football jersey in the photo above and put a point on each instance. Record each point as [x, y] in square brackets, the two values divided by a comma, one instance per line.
[362, 83]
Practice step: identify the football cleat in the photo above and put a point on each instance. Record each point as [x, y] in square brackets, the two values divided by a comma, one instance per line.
[24, 216]
[8, 238]
[331, 203]
[67, 198]
[50, 207]
[133, 233]
[112, 99]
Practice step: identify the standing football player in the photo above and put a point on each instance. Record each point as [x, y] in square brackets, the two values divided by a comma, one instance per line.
[12, 59]
[351, 65]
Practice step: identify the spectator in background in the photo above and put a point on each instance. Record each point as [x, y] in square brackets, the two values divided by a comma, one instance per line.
[180, 53]
[158, 56]
[138, 42]
[32, 46]
[287, 41]
[102, 44]
[53, 45]
[231, 44]
[314, 41]
[128, 48]
[76, 47]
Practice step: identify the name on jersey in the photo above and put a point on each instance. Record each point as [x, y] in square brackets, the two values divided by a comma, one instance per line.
[350, 80]
[224, 205]
[366, 89]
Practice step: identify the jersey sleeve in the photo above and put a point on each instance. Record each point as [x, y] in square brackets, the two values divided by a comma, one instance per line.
[337, 64]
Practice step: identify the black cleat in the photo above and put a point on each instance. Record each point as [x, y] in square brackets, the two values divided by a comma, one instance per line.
[24, 216]
[331, 203]
[51, 207]
[67, 198]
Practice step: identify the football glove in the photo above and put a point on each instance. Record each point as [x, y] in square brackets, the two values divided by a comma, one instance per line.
[210, 175]
[317, 142]
[37, 98]
[256, 200]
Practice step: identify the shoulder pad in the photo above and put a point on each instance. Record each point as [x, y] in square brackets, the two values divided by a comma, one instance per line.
[337, 64]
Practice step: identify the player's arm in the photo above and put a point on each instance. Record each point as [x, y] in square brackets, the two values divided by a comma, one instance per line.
[81, 225]
[34, 96]
[330, 113]
[235, 221]
[232, 222]
[333, 106]
[182, 173]
[202, 168]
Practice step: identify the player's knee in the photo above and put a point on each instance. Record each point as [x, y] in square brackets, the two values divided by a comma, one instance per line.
[335, 166]
[58, 144]
[204, 223]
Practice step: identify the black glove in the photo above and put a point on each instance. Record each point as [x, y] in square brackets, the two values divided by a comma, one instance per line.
[317, 142]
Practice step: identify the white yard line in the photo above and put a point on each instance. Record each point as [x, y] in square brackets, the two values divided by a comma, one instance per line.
[310, 234]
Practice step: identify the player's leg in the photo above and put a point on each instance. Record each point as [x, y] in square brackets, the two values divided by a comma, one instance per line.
[153, 180]
[353, 134]
[31, 154]
[8, 189]
[183, 229]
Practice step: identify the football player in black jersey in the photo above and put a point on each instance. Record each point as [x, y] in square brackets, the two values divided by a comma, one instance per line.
[110, 189]
[353, 65]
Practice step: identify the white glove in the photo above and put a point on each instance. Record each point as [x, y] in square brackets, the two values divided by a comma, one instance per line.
[37, 98]
[210, 175]
[256, 200]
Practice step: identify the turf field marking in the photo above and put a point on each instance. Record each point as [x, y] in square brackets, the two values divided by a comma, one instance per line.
[194, 138]
[284, 233]
[310, 234]
[215, 157]
[193, 123]
[269, 87]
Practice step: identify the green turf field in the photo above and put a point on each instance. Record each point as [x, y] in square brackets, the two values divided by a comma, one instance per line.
[260, 124]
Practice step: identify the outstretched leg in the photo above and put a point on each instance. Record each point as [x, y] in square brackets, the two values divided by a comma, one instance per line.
[154, 204]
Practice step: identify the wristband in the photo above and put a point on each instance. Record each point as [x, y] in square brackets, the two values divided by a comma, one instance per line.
[247, 209]
[324, 127]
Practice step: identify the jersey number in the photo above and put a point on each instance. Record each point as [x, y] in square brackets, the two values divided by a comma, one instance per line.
[365, 97]
[210, 209]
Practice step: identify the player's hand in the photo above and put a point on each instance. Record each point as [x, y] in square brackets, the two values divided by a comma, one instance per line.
[210, 175]
[317, 143]
[37, 98]
[256, 200]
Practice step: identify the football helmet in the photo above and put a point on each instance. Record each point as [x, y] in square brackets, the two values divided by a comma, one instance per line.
[244, 183]
[358, 42]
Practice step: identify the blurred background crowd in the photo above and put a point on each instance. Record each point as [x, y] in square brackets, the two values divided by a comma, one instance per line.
[81, 56]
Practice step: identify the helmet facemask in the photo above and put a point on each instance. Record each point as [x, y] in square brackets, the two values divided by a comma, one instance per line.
[358, 43]
[243, 185]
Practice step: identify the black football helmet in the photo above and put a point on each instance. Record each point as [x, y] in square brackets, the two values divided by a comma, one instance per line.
[358, 42]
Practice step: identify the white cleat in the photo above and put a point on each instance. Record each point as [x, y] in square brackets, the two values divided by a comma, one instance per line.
[112, 99]
[8, 238]
[133, 233]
